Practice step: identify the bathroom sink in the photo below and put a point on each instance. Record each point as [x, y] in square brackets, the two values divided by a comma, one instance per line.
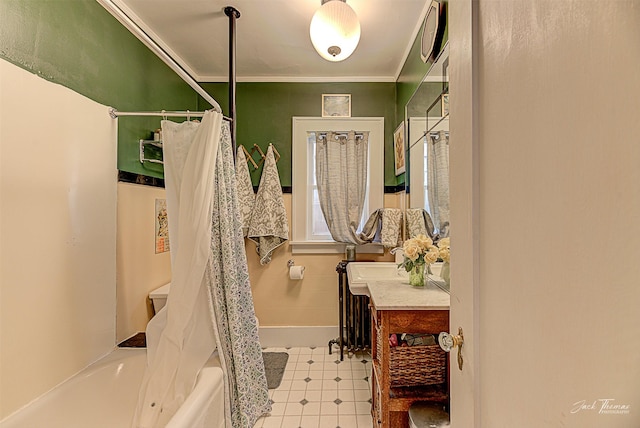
[369, 271]
[359, 273]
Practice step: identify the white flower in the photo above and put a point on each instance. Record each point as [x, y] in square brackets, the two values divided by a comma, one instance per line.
[432, 255]
[444, 246]
[411, 250]
[423, 241]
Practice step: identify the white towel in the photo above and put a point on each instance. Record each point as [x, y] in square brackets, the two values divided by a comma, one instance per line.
[246, 197]
[269, 226]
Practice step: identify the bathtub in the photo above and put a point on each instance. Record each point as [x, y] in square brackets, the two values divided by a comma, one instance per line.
[104, 395]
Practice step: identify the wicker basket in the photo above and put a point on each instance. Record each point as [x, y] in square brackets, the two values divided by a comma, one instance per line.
[417, 365]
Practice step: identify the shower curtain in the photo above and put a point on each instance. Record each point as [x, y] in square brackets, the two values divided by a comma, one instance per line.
[210, 301]
[438, 180]
[341, 177]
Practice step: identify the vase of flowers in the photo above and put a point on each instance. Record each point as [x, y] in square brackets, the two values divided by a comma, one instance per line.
[418, 253]
[444, 252]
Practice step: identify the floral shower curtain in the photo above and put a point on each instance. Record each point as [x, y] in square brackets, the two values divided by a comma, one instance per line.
[341, 177]
[208, 306]
[236, 325]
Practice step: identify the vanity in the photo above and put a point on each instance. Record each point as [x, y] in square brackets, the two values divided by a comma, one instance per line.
[376, 297]
[397, 307]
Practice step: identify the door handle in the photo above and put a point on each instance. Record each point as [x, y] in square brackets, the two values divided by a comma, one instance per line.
[448, 341]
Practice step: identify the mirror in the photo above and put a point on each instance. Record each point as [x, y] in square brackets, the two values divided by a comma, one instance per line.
[427, 121]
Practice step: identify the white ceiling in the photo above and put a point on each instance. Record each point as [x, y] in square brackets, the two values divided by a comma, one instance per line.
[273, 42]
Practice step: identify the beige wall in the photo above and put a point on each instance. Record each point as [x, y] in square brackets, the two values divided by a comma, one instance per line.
[312, 301]
[278, 300]
[140, 269]
[554, 213]
[57, 235]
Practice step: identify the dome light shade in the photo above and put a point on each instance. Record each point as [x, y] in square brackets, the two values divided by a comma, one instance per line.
[335, 30]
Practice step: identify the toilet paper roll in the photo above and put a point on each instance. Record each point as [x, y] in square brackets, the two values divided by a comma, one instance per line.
[296, 272]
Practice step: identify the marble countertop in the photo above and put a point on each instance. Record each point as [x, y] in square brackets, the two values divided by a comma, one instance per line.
[399, 295]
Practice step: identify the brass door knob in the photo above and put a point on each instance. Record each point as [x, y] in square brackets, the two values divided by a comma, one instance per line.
[448, 341]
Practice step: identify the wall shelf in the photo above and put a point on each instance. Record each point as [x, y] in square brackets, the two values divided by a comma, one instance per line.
[157, 150]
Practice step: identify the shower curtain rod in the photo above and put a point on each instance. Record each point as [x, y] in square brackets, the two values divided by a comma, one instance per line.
[115, 113]
[124, 19]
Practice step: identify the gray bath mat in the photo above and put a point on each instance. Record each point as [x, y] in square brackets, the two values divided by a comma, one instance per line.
[274, 365]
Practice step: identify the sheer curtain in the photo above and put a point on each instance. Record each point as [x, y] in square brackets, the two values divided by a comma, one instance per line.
[341, 177]
[438, 180]
[210, 302]
[180, 338]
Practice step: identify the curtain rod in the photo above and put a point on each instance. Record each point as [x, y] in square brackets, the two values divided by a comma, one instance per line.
[431, 134]
[341, 134]
[115, 113]
[121, 16]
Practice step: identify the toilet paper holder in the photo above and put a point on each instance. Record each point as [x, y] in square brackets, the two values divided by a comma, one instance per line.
[295, 272]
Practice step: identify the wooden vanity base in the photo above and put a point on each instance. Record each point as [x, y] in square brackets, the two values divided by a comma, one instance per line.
[391, 405]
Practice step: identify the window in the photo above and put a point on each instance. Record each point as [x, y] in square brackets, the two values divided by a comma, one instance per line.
[317, 229]
[310, 233]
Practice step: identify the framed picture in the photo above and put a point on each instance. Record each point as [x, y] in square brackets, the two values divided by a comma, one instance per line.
[398, 149]
[445, 104]
[161, 227]
[336, 105]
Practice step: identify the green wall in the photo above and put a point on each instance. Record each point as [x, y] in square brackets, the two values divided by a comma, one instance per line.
[412, 73]
[78, 44]
[264, 112]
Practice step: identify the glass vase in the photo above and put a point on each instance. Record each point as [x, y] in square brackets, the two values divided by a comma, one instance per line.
[416, 275]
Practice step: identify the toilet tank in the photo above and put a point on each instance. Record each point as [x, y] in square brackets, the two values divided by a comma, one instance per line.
[159, 297]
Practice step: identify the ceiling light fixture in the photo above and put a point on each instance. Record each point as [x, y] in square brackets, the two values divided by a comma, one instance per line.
[335, 30]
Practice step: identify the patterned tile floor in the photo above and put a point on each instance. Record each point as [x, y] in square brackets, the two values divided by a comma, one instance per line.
[320, 391]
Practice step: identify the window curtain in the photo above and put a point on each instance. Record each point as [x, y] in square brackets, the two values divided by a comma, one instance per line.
[341, 177]
[438, 180]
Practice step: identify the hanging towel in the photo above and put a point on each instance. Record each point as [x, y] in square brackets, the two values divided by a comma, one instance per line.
[391, 227]
[371, 229]
[419, 222]
[415, 223]
[384, 226]
[246, 197]
[269, 227]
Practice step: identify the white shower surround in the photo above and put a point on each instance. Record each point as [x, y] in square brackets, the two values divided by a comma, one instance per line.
[58, 182]
[105, 393]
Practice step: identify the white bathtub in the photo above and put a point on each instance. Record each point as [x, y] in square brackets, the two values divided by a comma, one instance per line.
[104, 395]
